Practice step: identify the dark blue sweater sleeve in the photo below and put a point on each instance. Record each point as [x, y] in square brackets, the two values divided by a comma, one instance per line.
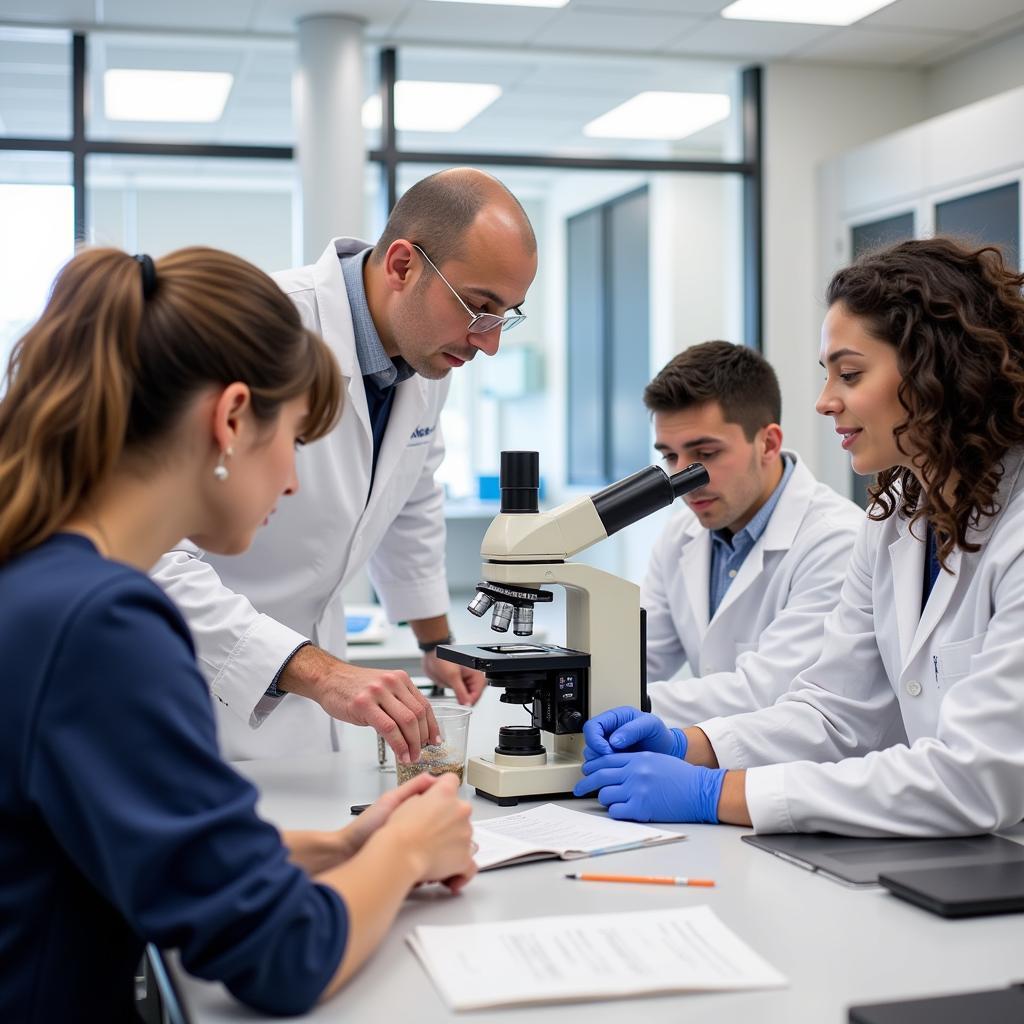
[122, 763]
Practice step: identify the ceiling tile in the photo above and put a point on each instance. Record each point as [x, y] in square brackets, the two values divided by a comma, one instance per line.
[591, 29]
[281, 15]
[762, 40]
[944, 15]
[231, 15]
[57, 12]
[439, 64]
[696, 7]
[472, 23]
[874, 46]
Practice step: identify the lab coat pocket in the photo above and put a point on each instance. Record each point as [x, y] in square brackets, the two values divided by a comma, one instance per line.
[954, 660]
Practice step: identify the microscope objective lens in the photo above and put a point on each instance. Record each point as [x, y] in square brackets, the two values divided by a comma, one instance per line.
[480, 603]
[522, 623]
[501, 617]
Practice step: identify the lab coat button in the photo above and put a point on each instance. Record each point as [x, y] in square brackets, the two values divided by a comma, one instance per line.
[914, 688]
[732, 574]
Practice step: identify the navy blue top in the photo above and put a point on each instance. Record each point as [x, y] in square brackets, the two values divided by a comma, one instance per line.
[119, 822]
[932, 566]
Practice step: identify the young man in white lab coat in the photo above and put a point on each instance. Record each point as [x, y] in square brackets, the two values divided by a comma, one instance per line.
[741, 579]
[449, 273]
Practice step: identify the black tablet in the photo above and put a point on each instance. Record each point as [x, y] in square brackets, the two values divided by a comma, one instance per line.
[855, 861]
[965, 891]
[997, 1006]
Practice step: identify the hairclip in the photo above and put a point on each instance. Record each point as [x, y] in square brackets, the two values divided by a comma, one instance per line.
[148, 274]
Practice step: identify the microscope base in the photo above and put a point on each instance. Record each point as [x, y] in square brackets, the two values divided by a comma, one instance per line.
[507, 785]
[513, 801]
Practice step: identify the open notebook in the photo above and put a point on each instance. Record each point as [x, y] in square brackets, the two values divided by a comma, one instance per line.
[551, 831]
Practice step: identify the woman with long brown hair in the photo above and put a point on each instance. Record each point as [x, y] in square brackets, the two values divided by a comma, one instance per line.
[154, 401]
[912, 721]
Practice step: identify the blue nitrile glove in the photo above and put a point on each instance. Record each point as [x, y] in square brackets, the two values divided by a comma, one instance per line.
[627, 729]
[653, 787]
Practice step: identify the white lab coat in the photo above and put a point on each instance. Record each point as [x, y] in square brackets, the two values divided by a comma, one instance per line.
[249, 613]
[948, 684]
[768, 627]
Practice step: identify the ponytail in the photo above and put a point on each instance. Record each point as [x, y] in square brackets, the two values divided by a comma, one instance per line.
[105, 368]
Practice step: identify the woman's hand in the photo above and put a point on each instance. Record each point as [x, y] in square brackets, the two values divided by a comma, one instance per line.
[354, 835]
[435, 827]
[315, 852]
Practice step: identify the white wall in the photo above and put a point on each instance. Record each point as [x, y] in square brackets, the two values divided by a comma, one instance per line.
[983, 72]
[811, 113]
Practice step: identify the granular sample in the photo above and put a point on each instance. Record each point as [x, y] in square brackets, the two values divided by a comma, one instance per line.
[434, 758]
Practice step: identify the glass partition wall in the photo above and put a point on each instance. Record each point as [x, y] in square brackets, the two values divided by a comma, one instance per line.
[674, 194]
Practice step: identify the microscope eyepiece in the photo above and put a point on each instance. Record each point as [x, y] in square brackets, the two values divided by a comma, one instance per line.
[628, 500]
[520, 481]
[689, 479]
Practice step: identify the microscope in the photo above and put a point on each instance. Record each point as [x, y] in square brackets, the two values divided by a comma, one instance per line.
[603, 664]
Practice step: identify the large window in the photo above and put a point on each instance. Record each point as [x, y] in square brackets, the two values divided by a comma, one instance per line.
[36, 214]
[35, 83]
[608, 328]
[157, 204]
[95, 174]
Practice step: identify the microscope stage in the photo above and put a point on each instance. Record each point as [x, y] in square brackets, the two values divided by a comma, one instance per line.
[513, 657]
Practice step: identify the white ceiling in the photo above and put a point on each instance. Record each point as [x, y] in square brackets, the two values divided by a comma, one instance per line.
[909, 32]
[558, 68]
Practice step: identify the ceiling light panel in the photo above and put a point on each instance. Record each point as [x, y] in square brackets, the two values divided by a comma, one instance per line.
[509, 3]
[144, 95]
[660, 115]
[433, 106]
[806, 12]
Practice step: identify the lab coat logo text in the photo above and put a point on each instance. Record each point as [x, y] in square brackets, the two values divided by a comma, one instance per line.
[421, 435]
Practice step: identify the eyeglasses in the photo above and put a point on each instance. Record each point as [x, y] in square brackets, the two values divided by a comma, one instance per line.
[479, 323]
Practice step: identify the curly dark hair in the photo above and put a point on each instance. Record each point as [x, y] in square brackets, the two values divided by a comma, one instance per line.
[955, 315]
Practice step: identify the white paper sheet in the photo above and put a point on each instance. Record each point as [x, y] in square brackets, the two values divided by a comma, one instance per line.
[553, 831]
[588, 957]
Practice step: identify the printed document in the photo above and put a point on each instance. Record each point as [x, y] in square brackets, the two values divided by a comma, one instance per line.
[588, 957]
[552, 831]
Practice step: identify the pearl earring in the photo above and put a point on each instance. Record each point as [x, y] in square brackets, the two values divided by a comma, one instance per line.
[220, 471]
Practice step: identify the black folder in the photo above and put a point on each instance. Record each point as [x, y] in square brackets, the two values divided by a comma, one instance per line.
[965, 891]
[996, 1006]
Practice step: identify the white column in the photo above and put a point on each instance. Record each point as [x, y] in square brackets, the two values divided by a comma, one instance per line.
[330, 146]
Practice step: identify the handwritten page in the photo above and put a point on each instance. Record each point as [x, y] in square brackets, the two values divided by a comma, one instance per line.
[553, 831]
[588, 957]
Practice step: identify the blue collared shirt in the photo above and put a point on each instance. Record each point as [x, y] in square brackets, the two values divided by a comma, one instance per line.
[728, 552]
[381, 374]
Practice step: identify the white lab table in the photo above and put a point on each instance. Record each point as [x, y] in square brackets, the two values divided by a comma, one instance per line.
[837, 946]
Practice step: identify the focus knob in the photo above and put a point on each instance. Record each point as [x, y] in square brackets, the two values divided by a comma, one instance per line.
[572, 721]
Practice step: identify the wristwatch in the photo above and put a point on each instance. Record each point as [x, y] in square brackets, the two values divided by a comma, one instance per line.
[427, 647]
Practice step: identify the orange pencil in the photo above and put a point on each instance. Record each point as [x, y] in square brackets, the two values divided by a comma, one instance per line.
[644, 879]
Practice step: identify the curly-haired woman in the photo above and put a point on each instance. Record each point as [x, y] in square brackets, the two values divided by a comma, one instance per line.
[912, 721]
